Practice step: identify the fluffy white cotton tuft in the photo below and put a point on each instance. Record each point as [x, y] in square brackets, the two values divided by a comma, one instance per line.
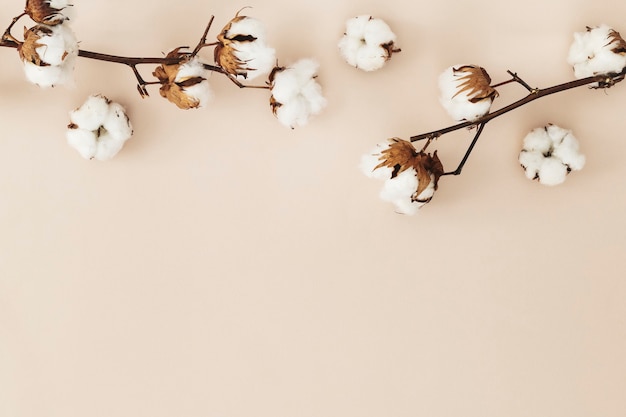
[258, 57]
[99, 128]
[549, 154]
[367, 43]
[200, 92]
[598, 50]
[296, 95]
[465, 92]
[57, 49]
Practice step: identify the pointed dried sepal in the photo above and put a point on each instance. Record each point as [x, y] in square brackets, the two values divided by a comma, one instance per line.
[475, 83]
[28, 49]
[46, 12]
[617, 42]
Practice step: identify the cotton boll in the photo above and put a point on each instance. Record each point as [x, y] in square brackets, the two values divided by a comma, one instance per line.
[465, 92]
[295, 93]
[599, 50]
[99, 128]
[53, 50]
[549, 154]
[368, 43]
[200, 92]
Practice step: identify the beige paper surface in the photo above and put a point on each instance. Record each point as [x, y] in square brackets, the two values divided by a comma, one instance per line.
[223, 265]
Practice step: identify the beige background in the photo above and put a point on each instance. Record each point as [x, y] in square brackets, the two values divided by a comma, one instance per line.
[224, 266]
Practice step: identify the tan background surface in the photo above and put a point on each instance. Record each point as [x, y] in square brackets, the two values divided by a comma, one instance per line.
[224, 266]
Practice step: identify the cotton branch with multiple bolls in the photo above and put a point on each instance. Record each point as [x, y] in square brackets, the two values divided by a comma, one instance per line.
[49, 49]
[598, 57]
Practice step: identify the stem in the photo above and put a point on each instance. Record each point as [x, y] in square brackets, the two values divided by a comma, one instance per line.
[458, 169]
[604, 80]
[7, 33]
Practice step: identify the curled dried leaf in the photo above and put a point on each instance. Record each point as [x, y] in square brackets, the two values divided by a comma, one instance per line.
[41, 12]
[476, 83]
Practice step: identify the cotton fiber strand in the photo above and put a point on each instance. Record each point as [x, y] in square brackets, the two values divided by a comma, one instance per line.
[549, 154]
[99, 128]
[296, 95]
[367, 43]
[598, 50]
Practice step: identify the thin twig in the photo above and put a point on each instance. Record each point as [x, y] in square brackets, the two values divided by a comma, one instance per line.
[604, 80]
[458, 169]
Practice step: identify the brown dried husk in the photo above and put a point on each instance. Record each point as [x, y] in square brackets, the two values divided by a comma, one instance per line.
[476, 83]
[41, 12]
[28, 49]
[226, 49]
[615, 39]
[401, 155]
[171, 89]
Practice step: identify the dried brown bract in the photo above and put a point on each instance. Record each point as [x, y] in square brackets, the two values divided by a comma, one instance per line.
[401, 155]
[476, 83]
[41, 12]
[28, 49]
[174, 85]
[274, 104]
[615, 39]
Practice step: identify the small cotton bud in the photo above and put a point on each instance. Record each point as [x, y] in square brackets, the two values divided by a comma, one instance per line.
[466, 92]
[368, 43]
[549, 154]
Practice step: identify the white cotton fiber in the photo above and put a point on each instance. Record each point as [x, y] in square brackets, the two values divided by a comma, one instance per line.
[99, 128]
[257, 57]
[592, 53]
[459, 103]
[549, 154]
[58, 51]
[200, 92]
[367, 43]
[371, 160]
[398, 190]
[297, 93]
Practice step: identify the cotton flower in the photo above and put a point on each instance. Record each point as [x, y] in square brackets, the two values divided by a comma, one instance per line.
[48, 54]
[368, 43]
[296, 95]
[242, 49]
[466, 93]
[48, 12]
[184, 84]
[549, 154]
[99, 128]
[410, 177]
[599, 50]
